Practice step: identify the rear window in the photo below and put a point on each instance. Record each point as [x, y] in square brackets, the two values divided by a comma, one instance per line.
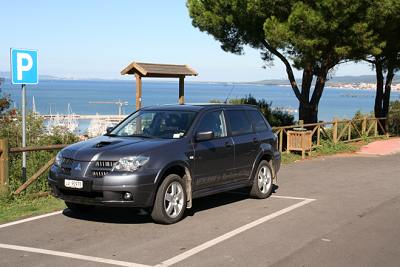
[239, 122]
[257, 119]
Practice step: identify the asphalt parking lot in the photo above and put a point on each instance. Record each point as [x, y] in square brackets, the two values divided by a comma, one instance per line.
[336, 211]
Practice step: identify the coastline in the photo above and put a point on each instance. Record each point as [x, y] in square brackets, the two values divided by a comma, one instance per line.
[354, 86]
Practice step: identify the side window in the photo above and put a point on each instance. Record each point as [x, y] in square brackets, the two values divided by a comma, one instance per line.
[257, 119]
[239, 122]
[213, 121]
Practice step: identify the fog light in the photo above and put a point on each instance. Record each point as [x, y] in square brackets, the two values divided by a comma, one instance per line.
[128, 196]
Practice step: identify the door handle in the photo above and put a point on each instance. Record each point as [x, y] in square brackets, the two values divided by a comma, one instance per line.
[227, 144]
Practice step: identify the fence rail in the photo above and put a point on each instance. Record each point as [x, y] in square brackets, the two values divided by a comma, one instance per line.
[335, 131]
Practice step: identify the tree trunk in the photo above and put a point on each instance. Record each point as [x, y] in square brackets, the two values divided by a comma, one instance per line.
[379, 89]
[388, 88]
[308, 110]
[308, 113]
[386, 98]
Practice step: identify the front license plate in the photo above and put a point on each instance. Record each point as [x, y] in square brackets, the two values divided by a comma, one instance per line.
[73, 184]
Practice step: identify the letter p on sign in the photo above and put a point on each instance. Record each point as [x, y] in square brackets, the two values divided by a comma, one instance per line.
[24, 68]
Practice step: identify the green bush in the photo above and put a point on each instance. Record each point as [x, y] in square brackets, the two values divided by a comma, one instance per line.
[394, 117]
[276, 117]
[11, 128]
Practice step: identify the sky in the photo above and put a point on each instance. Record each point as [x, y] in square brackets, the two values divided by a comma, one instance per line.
[97, 39]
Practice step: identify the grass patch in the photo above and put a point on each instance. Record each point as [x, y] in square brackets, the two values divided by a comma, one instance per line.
[289, 157]
[13, 208]
[329, 148]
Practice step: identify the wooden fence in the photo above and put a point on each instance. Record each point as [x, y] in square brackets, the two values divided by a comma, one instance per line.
[335, 131]
[4, 161]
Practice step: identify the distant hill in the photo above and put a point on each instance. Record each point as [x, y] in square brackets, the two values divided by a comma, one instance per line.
[7, 75]
[333, 80]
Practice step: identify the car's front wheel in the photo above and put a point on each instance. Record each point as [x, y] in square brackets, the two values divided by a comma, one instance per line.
[262, 182]
[170, 203]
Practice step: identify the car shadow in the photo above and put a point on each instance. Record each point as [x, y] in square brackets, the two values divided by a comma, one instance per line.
[111, 215]
[221, 199]
[140, 216]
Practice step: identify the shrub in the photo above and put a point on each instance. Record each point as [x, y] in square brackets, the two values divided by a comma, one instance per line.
[11, 128]
[276, 117]
[394, 117]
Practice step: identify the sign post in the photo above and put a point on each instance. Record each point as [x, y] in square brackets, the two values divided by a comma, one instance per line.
[24, 70]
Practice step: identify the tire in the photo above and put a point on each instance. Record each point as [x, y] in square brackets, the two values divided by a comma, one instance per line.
[78, 208]
[170, 203]
[262, 181]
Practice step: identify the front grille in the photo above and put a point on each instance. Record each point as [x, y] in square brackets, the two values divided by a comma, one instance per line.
[66, 170]
[66, 165]
[93, 194]
[102, 168]
[67, 161]
[105, 164]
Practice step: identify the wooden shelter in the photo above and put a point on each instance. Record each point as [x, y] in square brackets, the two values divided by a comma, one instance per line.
[152, 70]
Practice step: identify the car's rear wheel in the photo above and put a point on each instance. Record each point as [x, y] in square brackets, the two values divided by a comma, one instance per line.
[78, 208]
[170, 203]
[262, 182]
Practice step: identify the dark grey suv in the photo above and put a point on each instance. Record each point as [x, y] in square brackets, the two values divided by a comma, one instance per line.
[162, 157]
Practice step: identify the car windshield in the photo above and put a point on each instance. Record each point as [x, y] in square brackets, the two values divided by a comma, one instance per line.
[156, 124]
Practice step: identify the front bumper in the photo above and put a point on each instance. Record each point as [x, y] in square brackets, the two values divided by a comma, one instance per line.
[106, 191]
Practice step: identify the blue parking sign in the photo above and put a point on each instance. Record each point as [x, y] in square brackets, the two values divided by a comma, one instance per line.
[24, 66]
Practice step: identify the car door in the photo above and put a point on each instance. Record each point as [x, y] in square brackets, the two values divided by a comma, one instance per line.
[214, 158]
[245, 140]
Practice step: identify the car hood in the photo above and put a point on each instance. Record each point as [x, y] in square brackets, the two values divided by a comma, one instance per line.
[112, 148]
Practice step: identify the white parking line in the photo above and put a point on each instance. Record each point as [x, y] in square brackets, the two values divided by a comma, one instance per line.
[72, 256]
[233, 233]
[30, 219]
[169, 262]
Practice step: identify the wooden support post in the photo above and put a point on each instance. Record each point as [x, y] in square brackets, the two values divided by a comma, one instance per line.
[376, 127]
[349, 132]
[335, 131]
[3, 165]
[387, 127]
[182, 90]
[138, 91]
[364, 125]
[281, 140]
[319, 135]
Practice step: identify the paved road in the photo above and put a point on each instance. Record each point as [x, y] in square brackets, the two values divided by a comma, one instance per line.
[354, 221]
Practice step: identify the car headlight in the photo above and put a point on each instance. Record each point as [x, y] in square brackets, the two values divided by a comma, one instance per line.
[130, 164]
[58, 159]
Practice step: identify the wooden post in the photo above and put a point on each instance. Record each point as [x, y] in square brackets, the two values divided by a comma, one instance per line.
[387, 126]
[364, 125]
[182, 90]
[349, 132]
[319, 135]
[281, 140]
[138, 91]
[3, 165]
[335, 131]
[376, 127]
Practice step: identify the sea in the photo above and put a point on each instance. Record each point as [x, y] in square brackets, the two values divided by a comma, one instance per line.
[53, 96]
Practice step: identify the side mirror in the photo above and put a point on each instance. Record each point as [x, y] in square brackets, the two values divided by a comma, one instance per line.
[203, 136]
[109, 129]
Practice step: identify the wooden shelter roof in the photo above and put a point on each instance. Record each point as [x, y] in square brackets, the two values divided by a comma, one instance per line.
[158, 70]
